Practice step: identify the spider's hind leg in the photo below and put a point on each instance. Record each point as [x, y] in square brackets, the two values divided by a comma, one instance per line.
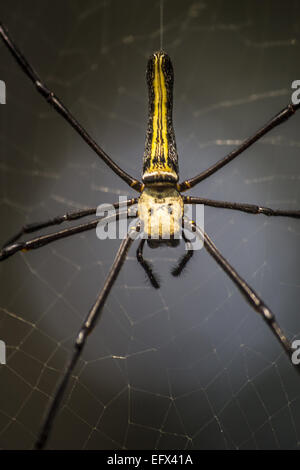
[177, 270]
[146, 265]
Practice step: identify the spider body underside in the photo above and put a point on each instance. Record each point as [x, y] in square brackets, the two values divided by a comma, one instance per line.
[160, 205]
[160, 211]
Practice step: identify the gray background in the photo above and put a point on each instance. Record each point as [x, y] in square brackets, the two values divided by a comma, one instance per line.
[191, 365]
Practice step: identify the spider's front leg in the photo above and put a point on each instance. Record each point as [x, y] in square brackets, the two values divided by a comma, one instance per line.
[250, 295]
[86, 328]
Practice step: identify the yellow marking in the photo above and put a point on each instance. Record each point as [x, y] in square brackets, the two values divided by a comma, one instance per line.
[156, 218]
[183, 186]
[137, 186]
[24, 250]
[159, 144]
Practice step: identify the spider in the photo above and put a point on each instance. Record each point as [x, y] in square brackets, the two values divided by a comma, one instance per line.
[160, 201]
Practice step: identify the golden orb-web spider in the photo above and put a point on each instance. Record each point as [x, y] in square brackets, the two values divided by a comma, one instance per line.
[159, 191]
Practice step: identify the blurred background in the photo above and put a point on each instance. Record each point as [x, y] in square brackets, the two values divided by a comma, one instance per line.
[189, 366]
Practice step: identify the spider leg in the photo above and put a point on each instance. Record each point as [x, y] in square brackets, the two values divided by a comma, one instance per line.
[30, 228]
[250, 208]
[177, 270]
[146, 265]
[43, 240]
[250, 295]
[282, 116]
[53, 100]
[86, 328]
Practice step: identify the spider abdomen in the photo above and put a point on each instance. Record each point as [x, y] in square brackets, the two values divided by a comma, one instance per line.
[160, 156]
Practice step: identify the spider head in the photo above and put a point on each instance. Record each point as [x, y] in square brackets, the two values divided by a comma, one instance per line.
[160, 209]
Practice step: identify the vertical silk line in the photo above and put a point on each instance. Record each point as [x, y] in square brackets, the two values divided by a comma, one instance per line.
[161, 23]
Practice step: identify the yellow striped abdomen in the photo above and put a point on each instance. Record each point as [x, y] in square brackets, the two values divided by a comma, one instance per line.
[160, 157]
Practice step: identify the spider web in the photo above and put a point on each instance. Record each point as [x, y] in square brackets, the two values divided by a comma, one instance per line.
[189, 366]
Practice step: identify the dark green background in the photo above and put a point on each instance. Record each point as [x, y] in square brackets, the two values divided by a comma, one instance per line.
[191, 365]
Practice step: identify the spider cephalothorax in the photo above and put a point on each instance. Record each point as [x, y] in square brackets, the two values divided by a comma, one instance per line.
[160, 209]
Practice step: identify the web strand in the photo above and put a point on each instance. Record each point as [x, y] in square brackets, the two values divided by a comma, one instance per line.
[161, 23]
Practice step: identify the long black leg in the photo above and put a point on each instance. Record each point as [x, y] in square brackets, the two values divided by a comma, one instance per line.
[146, 265]
[38, 242]
[70, 216]
[86, 329]
[250, 295]
[184, 259]
[53, 100]
[286, 113]
[250, 208]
